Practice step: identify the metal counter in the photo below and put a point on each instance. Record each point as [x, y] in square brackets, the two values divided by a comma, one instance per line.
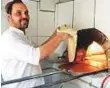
[54, 76]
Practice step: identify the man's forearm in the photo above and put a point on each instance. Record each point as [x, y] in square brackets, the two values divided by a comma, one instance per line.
[49, 46]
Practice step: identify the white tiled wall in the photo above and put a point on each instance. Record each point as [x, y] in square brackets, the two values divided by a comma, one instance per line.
[65, 0]
[48, 5]
[83, 14]
[4, 22]
[102, 20]
[33, 12]
[36, 0]
[45, 23]
[34, 40]
[41, 40]
[64, 14]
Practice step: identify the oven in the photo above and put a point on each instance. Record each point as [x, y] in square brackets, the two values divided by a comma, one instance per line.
[92, 52]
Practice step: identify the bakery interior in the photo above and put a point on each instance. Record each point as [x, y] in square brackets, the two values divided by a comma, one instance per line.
[91, 63]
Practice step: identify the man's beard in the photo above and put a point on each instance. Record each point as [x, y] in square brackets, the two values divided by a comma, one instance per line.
[23, 24]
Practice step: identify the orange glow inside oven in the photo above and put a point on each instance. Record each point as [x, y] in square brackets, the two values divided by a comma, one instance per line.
[94, 60]
[94, 49]
[96, 56]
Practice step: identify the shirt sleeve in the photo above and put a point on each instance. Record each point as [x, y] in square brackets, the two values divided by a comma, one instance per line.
[22, 50]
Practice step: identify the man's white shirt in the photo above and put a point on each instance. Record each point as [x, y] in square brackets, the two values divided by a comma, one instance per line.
[19, 59]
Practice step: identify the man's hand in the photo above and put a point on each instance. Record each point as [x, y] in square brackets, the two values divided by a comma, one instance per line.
[66, 29]
[62, 33]
[63, 36]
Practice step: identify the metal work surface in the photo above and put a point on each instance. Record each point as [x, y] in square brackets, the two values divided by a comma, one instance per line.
[62, 76]
[68, 77]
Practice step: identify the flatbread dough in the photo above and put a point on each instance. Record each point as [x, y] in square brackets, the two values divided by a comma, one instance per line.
[72, 41]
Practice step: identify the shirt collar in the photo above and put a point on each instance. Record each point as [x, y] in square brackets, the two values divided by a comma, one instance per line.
[16, 30]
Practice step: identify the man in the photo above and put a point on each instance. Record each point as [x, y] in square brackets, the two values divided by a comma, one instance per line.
[19, 58]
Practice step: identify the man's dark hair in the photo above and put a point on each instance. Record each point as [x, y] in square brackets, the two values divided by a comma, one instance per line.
[9, 5]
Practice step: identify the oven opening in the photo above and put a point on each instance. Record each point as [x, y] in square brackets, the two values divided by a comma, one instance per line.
[91, 60]
[90, 52]
[96, 55]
